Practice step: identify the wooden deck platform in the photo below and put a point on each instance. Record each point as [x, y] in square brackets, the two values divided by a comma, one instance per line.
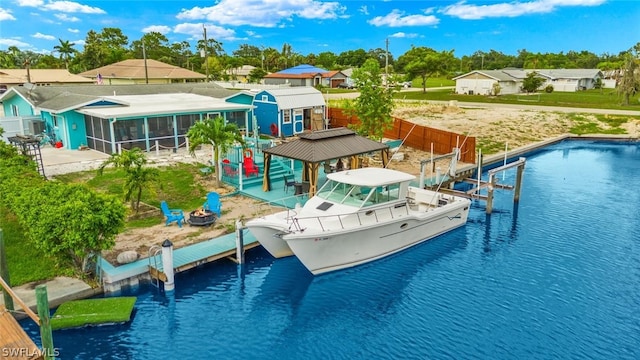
[14, 341]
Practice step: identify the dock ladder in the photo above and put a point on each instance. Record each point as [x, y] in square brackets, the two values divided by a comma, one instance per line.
[155, 264]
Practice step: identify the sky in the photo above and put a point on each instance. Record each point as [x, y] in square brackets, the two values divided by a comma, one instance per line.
[314, 26]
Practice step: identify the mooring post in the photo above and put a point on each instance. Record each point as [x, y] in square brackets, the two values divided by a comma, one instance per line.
[519, 173]
[239, 243]
[167, 264]
[492, 186]
[42, 300]
[4, 274]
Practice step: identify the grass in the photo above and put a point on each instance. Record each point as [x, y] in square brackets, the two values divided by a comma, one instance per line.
[605, 124]
[26, 262]
[180, 188]
[79, 313]
[597, 99]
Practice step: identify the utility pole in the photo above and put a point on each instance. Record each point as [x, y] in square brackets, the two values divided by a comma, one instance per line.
[386, 63]
[206, 57]
[144, 56]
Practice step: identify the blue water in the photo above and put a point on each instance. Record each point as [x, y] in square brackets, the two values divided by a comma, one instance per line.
[555, 277]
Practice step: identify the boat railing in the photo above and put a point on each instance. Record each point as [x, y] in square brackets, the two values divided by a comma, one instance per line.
[354, 219]
[289, 204]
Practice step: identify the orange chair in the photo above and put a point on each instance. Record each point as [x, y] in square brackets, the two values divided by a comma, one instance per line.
[250, 167]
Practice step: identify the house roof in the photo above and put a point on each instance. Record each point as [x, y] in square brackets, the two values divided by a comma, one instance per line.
[303, 72]
[297, 97]
[302, 69]
[244, 70]
[135, 69]
[326, 145]
[58, 99]
[512, 74]
[157, 104]
[41, 76]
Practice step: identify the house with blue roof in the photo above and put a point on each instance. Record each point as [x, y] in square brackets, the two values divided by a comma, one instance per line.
[306, 75]
[289, 111]
[109, 118]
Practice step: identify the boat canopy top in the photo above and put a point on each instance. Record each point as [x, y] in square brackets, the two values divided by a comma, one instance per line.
[370, 176]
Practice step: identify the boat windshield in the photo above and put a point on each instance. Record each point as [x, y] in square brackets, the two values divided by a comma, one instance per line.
[359, 196]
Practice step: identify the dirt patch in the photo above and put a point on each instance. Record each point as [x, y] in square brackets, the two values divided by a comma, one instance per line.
[140, 240]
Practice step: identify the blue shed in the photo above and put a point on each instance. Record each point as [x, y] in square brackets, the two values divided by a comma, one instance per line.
[289, 111]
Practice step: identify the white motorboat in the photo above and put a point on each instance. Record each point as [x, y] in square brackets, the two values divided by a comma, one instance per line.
[359, 216]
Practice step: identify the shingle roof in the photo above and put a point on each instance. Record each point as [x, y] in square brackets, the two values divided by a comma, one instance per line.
[61, 98]
[302, 69]
[325, 145]
[41, 76]
[135, 69]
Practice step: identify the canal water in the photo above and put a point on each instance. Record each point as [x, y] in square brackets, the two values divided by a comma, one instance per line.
[556, 276]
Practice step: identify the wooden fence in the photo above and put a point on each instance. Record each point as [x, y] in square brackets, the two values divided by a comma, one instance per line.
[419, 137]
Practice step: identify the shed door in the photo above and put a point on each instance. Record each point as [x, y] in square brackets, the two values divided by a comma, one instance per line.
[298, 121]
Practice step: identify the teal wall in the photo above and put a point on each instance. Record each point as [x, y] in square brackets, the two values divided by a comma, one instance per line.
[24, 108]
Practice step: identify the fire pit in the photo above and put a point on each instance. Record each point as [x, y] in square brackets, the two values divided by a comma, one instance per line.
[201, 217]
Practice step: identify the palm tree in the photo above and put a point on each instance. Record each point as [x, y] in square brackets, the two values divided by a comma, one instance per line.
[215, 132]
[65, 49]
[138, 176]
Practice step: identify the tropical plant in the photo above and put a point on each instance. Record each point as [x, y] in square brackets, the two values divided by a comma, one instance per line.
[65, 49]
[532, 82]
[137, 175]
[215, 132]
[629, 83]
[375, 103]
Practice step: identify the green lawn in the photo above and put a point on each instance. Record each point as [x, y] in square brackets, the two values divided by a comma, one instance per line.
[601, 99]
[26, 263]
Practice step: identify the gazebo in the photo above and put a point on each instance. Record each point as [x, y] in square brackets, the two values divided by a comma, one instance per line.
[321, 146]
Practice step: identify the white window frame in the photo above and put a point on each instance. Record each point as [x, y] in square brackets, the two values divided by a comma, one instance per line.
[15, 111]
[286, 116]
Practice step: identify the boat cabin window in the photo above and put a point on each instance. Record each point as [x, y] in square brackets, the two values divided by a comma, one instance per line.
[359, 196]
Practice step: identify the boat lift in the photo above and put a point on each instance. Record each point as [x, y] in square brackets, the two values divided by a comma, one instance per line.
[446, 185]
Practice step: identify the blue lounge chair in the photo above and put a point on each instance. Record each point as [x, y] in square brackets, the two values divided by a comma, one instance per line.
[172, 214]
[213, 203]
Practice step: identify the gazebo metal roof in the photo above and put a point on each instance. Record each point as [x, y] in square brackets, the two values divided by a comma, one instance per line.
[323, 145]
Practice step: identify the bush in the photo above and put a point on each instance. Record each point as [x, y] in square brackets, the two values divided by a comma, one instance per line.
[548, 89]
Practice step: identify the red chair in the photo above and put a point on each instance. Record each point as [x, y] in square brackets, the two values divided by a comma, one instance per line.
[250, 167]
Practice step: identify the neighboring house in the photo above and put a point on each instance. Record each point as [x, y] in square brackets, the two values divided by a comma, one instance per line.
[39, 77]
[306, 75]
[240, 74]
[289, 111]
[480, 82]
[140, 71]
[109, 117]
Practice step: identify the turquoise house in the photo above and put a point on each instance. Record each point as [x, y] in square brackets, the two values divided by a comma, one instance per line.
[109, 118]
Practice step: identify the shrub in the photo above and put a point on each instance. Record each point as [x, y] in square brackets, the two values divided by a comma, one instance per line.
[548, 89]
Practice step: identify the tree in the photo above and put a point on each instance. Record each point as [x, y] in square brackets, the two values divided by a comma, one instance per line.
[65, 49]
[424, 62]
[375, 103]
[532, 82]
[326, 60]
[155, 46]
[215, 132]
[137, 175]
[256, 75]
[630, 80]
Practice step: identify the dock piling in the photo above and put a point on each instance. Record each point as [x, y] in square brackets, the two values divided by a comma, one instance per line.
[167, 264]
[4, 274]
[42, 300]
[239, 242]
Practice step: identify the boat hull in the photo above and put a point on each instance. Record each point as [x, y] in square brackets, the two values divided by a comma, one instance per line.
[326, 251]
[269, 233]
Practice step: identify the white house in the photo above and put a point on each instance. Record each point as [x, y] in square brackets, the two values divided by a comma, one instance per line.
[481, 82]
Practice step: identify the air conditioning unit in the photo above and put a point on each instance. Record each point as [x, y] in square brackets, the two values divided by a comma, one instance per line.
[36, 127]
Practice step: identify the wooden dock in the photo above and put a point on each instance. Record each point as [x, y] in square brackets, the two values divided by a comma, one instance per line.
[198, 254]
[14, 341]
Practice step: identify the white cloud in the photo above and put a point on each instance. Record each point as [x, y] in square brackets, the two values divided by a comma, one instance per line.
[75, 31]
[6, 15]
[61, 6]
[364, 10]
[43, 36]
[14, 42]
[162, 29]
[513, 9]
[213, 31]
[66, 18]
[397, 18]
[404, 35]
[263, 13]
